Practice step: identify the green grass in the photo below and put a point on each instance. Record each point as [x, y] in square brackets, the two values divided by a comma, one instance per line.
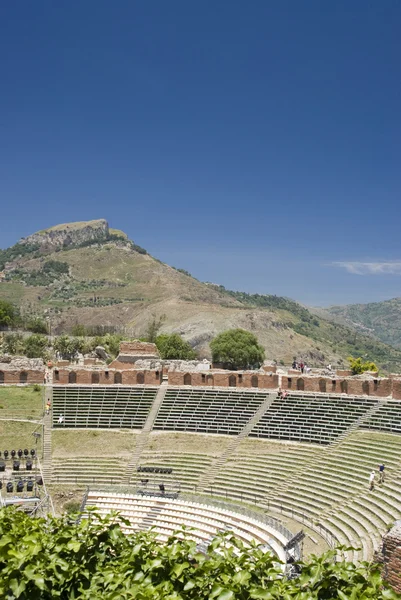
[15, 435]
[66, 444]
[20, 402]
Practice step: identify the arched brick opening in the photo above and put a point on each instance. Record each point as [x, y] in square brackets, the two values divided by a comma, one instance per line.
[254, 381]
[23, 377]
[210, 380]
[187, 379]
[344, 387]
[365, 387]
[322, 385]
[232, 381]
[300, 384]
[140, 378]
[95, 378]
[72, 377]
[1, 377]
[118, 378]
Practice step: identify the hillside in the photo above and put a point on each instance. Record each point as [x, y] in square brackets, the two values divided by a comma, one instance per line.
[381, 320]
[86, 273]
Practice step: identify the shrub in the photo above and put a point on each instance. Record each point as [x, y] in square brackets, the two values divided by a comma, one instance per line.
[357, 366]
[237, 349]
[93, 559]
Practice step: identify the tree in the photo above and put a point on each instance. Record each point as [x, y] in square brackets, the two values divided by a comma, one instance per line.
[68, 347]
[92, 559]
[357, 366]
[7, 313]
[13, 343]
[36, 345]
[172, 346]
[37, 325]
[237, 349]
[153, 328]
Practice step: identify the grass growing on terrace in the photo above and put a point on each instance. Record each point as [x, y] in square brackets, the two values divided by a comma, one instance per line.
[21, 402]
[94, 443]
[15, 435]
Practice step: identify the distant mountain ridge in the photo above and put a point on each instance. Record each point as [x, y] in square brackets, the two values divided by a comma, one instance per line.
[89, 274]
[381, 320]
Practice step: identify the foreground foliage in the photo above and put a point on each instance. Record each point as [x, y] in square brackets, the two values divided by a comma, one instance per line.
[61, 558]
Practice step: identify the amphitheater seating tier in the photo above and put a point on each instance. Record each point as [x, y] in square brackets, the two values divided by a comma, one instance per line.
[102, 407]
[167, 516]
[387, 418]
[207, 411]
[90, 470]
[187, 468]
[317, 482]
[312, 419]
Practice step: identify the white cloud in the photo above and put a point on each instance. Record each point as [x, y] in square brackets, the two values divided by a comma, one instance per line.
[371, 268]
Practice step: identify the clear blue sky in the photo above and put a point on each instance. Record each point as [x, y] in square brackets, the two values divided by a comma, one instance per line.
[255, 144]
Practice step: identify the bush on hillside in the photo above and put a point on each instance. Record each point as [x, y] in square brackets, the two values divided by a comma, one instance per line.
[67, 558]
[357, 365]
[36, 346]
[8, 314]
[37, 325]
[13, 343]
[172, 346]
[237, 349]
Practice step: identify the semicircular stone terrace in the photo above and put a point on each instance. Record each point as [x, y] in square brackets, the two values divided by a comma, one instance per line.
[308, 457]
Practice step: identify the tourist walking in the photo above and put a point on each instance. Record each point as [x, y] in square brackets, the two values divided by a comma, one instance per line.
[381, 473]
[302, 366]
[372, 481]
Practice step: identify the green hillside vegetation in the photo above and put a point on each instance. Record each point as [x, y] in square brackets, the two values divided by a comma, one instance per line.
[115, 284]
[381, 320]
[89, 560]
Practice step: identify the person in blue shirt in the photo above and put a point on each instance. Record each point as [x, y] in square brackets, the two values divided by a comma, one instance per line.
[381, 473]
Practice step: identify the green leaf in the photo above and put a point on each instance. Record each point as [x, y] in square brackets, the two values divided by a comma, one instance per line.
[226, 595]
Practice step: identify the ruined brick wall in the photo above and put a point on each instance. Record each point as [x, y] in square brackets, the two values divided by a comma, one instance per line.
[270, 368]
[139, 348]
[224, 379]
[27, 376]
[106, 376]
[396, 389]
[382, 387]
[391, 557]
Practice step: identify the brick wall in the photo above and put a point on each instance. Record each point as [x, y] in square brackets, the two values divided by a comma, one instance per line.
[138, 348]
[223, 379]
[391, 557]
[27, 376]
[270, 368]
[106, 376]
[397, 389]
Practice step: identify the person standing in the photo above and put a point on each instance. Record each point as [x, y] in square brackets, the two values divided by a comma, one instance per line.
[302, 366]
[381, 473]
[372, 481]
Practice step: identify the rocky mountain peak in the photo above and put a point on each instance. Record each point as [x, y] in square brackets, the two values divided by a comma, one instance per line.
[69, 234]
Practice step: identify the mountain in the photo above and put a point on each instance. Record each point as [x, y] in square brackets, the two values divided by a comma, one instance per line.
[381, 320]
[86, 273]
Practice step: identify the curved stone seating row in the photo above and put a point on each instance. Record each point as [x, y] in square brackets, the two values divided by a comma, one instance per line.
[89, 470]
[187, 468]
[387, 418]
[330, 488]
[318, 419]
[206, 520]
[208, 411]
[111, 407]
